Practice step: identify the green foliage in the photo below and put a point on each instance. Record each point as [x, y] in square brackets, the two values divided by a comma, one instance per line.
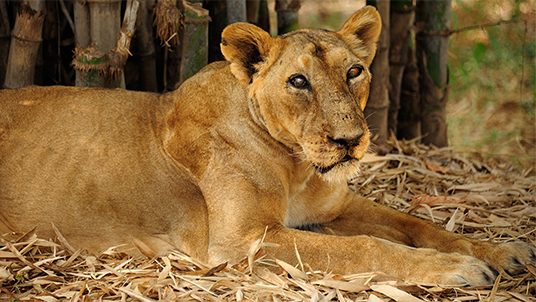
[492, 80]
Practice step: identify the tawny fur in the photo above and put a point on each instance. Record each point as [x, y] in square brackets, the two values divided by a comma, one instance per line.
[235, 152]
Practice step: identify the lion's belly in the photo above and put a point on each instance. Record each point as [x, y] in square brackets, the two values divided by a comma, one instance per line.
[97, 174]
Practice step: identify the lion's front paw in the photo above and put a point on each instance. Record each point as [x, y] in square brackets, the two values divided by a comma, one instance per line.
[511, 257]
[456, 270]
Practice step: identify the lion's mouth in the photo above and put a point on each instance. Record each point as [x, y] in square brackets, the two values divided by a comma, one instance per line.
[323, 170]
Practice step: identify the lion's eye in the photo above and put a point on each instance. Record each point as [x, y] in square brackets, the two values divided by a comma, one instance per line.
[354, 71]
[298, 81]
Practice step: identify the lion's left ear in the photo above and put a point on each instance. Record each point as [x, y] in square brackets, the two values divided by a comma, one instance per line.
[245, 45]
[361, 31]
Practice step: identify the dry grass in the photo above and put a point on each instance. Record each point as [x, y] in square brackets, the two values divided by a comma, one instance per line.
[484, 200]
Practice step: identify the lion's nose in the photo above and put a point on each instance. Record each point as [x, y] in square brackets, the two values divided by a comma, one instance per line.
[347, 140]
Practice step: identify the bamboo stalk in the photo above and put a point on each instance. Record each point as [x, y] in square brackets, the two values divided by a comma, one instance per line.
[146, 49]
[287, 15]
[5, 30]
[81, 18]
[264, 16]
[168, 19]
[119, 54]
[83, 37]
[97, 67]
[194, 46]
[218, 13]
[104, 25]
[25, 40]
[409, 114]
[236, 11]
[253, 8]
[378, 103]
[432, 61]
[401, 21]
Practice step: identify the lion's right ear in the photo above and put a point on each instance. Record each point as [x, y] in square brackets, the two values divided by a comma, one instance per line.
[361, 32]
[245, 45]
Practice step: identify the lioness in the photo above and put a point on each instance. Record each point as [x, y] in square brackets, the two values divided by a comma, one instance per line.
[261, 144]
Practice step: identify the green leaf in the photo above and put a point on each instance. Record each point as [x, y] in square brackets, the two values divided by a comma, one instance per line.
[479, 50]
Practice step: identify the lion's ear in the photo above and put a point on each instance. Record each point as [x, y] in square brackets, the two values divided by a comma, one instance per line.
[245, 45]
[361, 31]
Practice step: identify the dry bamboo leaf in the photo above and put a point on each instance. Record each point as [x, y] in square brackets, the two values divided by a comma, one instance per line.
[298, 255]
[270, 277]
[452, 221]
[394, 293]
[508, 198]
[136, 295]
[165, 271]
[436, 167]
[532, 269]
[374, 298]
[522, 297]
[477, 187]
[371, 158]
[46, 298]
[216, 269]
[434, 200]
[349, 286]
[7, 255]
[62, 240]
[239, 295]
[4, 274]
[291, 270]
[144, 248]
[22, 258]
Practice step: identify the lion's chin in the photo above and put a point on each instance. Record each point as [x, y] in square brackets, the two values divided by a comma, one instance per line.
[342, 171]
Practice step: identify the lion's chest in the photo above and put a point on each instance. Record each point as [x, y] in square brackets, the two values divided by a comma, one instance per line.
[312, 201]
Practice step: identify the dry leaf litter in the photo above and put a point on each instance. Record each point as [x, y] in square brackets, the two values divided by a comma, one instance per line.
[483, 199]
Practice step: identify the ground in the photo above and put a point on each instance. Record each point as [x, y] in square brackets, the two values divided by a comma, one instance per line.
[481, 198]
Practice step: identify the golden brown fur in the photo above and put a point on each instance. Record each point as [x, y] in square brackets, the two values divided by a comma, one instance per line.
[240, 149]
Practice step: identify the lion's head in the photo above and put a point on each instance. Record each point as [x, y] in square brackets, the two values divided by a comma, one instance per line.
[309, 88]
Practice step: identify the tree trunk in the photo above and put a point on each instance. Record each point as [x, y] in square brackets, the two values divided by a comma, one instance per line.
[378, 103]
[287, 15]
[409, 115]
[81, 19]
[5, 34]
[401, 21]
[117, 56]
[101, 64]
[25, 40]
[105, 24]
[236, 11]
[168, 20]
[194, 53]
[218, 15]
[82, 37]
[146, 50]
[433, 17]
[253, 8]
[264, 16]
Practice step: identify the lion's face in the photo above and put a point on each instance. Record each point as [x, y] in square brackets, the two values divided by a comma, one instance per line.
[312, 99]
[309, 89]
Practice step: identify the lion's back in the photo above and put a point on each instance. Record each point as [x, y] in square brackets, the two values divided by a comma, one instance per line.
[87, 159]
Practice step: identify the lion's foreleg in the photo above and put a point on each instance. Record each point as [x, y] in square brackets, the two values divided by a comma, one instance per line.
[363, 216]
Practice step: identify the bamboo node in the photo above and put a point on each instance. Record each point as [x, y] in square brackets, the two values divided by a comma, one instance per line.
[90, 58]
[168, 18]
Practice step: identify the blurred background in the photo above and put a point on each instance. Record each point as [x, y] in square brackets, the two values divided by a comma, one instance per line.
[492, 102]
